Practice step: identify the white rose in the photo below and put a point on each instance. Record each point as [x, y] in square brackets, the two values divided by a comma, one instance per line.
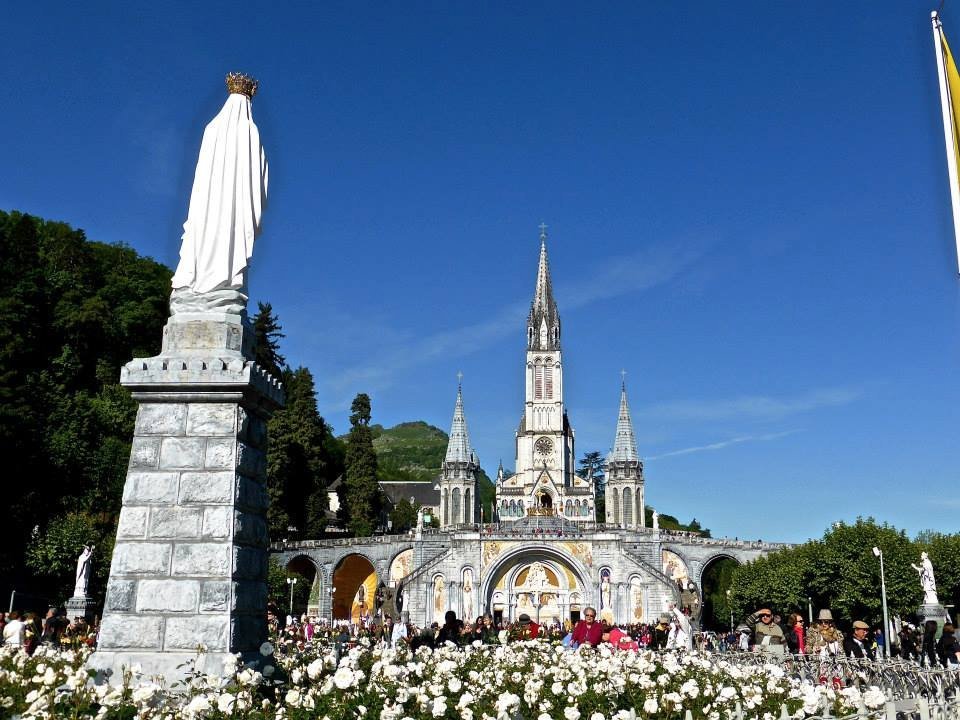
[266, 649]
[343, 678]
[650, 706]
[226, 702]
[571, 713]
[439, 707]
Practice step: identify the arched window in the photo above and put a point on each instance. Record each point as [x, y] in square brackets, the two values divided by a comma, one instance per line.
[513, 508]
[445, 508]
[538, 381]
[616, 507]
[467, 507]
[627, 506]
[639, 503]
[569, 507]
[548, 382]
[456, 516]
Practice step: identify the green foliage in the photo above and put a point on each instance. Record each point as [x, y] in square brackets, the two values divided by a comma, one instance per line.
[840, 572]
[303, 458]
[403, 516]
[669, 522]
[72, 312]
[592, 465]
[267, 332]
[362, 497]
[54, 554]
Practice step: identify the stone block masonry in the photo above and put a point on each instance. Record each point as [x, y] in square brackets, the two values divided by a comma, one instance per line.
[190, 560]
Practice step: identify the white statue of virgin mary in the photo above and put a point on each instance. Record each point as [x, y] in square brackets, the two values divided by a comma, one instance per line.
[226, 204]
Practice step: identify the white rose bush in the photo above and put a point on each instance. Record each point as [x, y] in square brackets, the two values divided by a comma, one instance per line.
[532, 679]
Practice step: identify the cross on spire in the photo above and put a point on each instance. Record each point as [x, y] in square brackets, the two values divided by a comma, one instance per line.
[543, 231]
[459, 378]
[623, 378]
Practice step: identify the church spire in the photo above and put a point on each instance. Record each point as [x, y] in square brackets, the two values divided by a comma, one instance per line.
[543, 322]
[458, 448]
[625, 444]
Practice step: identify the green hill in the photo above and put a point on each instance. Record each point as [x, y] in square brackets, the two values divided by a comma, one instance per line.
[410, 451]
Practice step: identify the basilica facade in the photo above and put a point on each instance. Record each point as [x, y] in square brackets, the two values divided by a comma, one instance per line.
[543, 553]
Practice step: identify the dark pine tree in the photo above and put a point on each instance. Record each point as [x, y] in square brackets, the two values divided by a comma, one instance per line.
[303, 458]
[362, 492]
[267, 332]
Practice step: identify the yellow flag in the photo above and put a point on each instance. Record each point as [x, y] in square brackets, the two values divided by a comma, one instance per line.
[953, 84]
[950, 102]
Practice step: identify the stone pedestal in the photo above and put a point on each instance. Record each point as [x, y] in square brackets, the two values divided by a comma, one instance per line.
[81, 607]
[189, 568]
[933, 611]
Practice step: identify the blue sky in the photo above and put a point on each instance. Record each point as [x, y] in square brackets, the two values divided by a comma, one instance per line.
[747, 207]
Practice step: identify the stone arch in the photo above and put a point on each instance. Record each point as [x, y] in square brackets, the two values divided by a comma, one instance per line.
[509, 563]
[305, 593]
[400, 565]
[713, 580]
[354, 586]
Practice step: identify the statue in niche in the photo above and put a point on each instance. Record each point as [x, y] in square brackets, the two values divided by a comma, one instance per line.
[605, 594]
[468, 596]
[439, 598]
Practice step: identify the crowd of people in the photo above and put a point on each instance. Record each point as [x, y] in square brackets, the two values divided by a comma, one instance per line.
[29, 631]
[765, 631]
[762, 631]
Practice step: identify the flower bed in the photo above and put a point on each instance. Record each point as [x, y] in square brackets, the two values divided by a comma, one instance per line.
[531, 679]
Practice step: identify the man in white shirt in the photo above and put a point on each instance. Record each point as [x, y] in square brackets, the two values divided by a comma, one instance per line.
[14, 630]
[681, 635]
[399, 634]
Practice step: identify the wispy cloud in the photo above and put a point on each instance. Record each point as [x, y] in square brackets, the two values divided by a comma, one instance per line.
[616, 276]
[723, 444]
[754, 406]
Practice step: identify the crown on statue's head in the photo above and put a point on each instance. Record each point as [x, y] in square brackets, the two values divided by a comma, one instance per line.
[240, 83]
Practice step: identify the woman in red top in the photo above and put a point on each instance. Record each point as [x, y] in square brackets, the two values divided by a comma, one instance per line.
[795, 634]
[588, 631]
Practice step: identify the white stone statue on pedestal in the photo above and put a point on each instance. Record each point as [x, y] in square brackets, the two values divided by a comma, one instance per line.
[226, 204]
[927, 580]
[82, 579]
[656, 520]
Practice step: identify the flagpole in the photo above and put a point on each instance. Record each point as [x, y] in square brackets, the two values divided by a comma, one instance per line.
[946, 107]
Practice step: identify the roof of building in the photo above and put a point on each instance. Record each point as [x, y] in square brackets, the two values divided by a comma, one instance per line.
[422, 493]
[625, 443]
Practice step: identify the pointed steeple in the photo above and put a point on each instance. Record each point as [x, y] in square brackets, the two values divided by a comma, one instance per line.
[458, 449]
[543, 322]
[625, 444]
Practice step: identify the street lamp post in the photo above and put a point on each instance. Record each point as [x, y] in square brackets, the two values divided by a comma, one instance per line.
[883, 590]
[332, 591]
[730, 608]
[291, 582]
[809, 611]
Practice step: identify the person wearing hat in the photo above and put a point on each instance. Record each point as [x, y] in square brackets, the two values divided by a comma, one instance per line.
[767, 635]
[528, 628]
[824, 638]
[661, 632]
[857, 645]
[588, 631]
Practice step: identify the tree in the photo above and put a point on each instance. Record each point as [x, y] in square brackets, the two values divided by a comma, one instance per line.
[361, 499]
[267, 333]
[72, 312]
[303, 458]
[838, 572]
[404, 515]
[593, 467]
